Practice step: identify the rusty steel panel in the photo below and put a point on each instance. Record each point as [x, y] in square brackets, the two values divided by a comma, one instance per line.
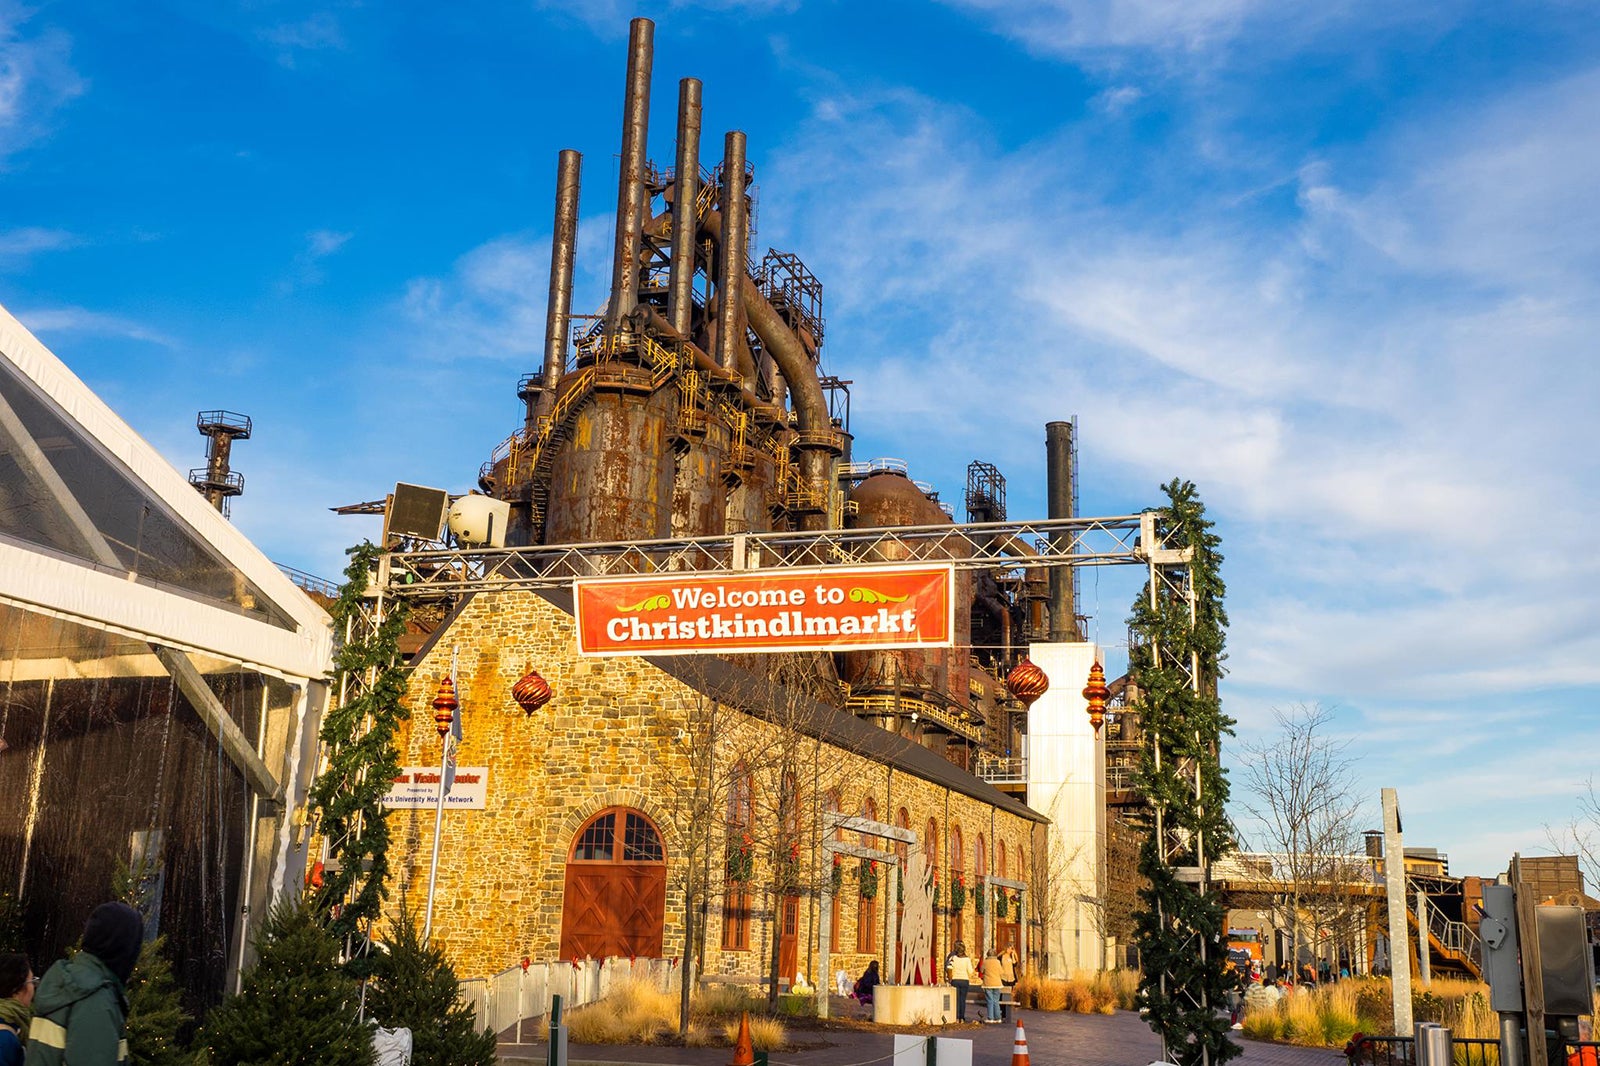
[612, 480]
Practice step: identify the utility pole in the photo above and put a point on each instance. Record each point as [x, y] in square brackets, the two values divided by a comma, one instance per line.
[1394, 875]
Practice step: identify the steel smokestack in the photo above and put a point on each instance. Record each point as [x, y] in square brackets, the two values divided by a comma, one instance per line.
[685, 217]
[563, 252]
[735, 249]
[1059, 496]
[632, 198]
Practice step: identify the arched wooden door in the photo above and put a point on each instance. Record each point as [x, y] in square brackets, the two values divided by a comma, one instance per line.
[616, 891]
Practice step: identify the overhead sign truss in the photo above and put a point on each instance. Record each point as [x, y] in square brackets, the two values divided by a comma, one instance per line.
[1016, 547]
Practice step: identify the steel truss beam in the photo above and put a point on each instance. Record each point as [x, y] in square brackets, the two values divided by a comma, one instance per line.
[1003, 546]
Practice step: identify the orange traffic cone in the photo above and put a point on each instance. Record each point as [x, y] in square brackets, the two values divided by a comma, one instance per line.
[1019, 1049]
[743, 1053]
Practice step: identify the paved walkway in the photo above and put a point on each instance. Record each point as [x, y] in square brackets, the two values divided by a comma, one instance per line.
[1054, 1039]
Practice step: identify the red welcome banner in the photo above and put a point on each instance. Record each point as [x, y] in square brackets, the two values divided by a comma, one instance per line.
[767, 610]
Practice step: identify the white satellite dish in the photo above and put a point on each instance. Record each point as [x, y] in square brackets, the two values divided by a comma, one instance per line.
[480, 521]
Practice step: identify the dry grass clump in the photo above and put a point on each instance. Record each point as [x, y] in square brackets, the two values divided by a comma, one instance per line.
[1116, 990]
[636, 1012]
[719, 1001]
[1100, 993]
[766, 1034]
[1328, 1015]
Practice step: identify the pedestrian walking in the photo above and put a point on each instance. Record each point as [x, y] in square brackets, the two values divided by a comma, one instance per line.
[992, 987]
[16, 1007]
[81, 1006]
[960, 971]
[1008, 978]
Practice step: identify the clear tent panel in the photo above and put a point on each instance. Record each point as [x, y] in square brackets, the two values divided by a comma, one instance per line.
[107, 768]
[62, 492]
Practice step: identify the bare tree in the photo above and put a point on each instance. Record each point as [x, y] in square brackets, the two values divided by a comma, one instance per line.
[696, 802]
[1581, 836]
[1300, 790]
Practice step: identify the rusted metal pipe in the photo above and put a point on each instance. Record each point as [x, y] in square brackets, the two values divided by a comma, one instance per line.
[563, 253]
[735, 251]
[1059, 499]
[685, 194]
[780, 342]
[632, 198]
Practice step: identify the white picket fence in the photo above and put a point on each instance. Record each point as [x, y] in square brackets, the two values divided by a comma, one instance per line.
[517, 994]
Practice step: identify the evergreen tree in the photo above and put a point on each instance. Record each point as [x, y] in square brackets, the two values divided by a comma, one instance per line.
[1175, 659]
[156, 1018]
[298, 1005]
[358, 737]
[416, 988]
[157, 1021]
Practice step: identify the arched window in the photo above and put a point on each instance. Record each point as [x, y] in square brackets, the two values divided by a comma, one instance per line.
[981, 866]
[615, 896]
[930, 845]
[867, 915]
[832, 807]
[1000, 854]
[957, 854]
[980, 890]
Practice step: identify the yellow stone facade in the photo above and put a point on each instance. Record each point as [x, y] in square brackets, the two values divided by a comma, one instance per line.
[612, 736]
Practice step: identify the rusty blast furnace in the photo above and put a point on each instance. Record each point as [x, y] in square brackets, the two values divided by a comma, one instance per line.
[693, 405]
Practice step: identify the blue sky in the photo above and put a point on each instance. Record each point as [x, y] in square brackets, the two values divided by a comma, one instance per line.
[1337, 262]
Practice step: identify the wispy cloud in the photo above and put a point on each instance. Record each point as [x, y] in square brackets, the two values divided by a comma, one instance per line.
[307, 270]
[36, 78]
[24, 243]
[1113, 31]
[79, 320]
[318, 32]
[1362, 416]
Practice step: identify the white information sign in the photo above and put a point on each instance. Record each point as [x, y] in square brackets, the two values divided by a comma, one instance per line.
[418, 786]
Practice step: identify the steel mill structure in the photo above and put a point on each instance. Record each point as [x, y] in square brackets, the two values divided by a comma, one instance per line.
[687, 428]
[693, 405]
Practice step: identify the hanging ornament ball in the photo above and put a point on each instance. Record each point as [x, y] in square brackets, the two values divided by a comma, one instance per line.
[531, 692]
[1097, 694]
[444, 706]
[1027, 682]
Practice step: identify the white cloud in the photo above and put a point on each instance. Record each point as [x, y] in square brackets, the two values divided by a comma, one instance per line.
[306, 270]
[1105, 31]
[36, 79]
[318, 32]
[79, 320]
[23, 243]
[610, 18]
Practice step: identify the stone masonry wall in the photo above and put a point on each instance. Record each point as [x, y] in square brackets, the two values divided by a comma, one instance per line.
[607, 738]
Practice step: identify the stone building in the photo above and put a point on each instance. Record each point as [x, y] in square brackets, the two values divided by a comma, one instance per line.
[578, 847]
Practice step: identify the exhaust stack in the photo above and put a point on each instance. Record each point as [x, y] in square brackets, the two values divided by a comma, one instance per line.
[563, 251]
[735, 251]
[633, 200]
[1062, 500]
[685, 213]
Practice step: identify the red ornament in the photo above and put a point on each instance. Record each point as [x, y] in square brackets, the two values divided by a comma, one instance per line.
[444, 706]
[531, 692]
[1097, 694]
[1027, 682]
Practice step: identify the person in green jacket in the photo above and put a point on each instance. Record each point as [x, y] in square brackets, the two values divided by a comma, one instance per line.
[80, 1009]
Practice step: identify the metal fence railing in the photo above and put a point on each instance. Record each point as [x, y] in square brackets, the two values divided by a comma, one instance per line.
[1465, 1051]
[521, 994]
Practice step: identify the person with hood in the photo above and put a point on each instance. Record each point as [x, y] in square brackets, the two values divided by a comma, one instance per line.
[80, 1009]
[16, 999]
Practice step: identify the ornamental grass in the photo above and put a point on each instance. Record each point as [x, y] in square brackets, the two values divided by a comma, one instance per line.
[1329, 1015]
[1100, 993]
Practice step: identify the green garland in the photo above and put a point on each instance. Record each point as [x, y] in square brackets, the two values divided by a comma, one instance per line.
[867, 878]
[1182, 992]
[837, 882]
[358, 737]
[741, 862]
[1002, 903]
[958, 893]
[979, 900]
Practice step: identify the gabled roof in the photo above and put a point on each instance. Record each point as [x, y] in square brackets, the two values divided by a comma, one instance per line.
[97, 527]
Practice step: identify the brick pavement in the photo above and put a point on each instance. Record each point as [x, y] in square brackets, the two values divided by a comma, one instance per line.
[1054, 1039]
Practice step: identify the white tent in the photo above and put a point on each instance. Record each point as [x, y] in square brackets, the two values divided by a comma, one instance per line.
[161, 680]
